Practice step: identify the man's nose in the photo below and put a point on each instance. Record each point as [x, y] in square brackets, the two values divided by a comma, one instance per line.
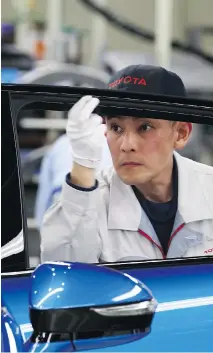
[128, 142]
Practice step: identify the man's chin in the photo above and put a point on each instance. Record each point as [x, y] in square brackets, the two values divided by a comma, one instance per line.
[133, 180]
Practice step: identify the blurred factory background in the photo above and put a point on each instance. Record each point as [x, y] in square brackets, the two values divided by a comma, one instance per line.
[80, 43]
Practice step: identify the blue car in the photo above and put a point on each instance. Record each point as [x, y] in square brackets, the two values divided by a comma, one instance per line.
[138, 306]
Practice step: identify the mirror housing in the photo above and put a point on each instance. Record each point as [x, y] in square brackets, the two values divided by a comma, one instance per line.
[87, 301]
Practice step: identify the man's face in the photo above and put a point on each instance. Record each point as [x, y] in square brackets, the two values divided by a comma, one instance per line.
[142, 148]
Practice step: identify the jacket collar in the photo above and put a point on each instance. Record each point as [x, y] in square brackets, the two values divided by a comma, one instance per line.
[124, 208]
[195, 195]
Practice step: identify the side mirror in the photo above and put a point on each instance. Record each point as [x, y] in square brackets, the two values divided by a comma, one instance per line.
[88, 305]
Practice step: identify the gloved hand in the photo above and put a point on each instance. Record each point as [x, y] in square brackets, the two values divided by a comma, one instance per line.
[85, 132]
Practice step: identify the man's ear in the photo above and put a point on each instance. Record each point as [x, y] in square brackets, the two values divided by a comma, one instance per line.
[183, 131]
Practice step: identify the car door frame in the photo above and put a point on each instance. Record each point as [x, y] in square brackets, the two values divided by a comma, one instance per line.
[62, 98]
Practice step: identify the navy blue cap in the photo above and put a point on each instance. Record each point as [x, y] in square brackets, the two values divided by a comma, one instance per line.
[147, 79]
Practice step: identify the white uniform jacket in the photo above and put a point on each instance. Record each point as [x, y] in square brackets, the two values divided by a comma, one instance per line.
[108, 223]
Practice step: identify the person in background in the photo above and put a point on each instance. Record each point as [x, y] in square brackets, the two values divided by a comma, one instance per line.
[151, 204]
[55, 165]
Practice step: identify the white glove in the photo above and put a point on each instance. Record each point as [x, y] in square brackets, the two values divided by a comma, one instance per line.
[85, 132]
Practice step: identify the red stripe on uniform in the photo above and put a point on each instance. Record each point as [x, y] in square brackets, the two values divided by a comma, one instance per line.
[152, 241]
[159, 247]
[175, 232]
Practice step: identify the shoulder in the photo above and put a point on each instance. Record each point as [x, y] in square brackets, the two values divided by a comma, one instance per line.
[62, 143]
[194, 166]
[61, 154]
[60, 160]
[196, 179]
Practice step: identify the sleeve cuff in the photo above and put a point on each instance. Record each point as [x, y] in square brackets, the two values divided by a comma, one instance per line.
[80, 188]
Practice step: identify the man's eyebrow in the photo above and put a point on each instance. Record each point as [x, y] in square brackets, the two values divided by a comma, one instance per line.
[113, 117]
[125, 117]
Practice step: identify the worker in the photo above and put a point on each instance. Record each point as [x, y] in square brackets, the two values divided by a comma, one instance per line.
[152, 204]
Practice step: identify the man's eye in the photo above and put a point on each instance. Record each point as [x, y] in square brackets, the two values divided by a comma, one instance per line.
[145, 127]
[115, 128]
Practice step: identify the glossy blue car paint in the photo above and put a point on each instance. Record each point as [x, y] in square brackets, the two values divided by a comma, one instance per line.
[76, 285]
[71, 285]
[173, 329]
[11, 336]
[177, 330]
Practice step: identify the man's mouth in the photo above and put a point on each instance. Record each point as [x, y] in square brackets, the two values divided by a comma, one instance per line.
[130, 164]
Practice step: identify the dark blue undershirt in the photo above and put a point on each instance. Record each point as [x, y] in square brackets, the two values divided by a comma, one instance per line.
[161, 215]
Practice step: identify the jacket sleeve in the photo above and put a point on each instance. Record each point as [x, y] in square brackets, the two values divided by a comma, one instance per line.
[70, 227]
